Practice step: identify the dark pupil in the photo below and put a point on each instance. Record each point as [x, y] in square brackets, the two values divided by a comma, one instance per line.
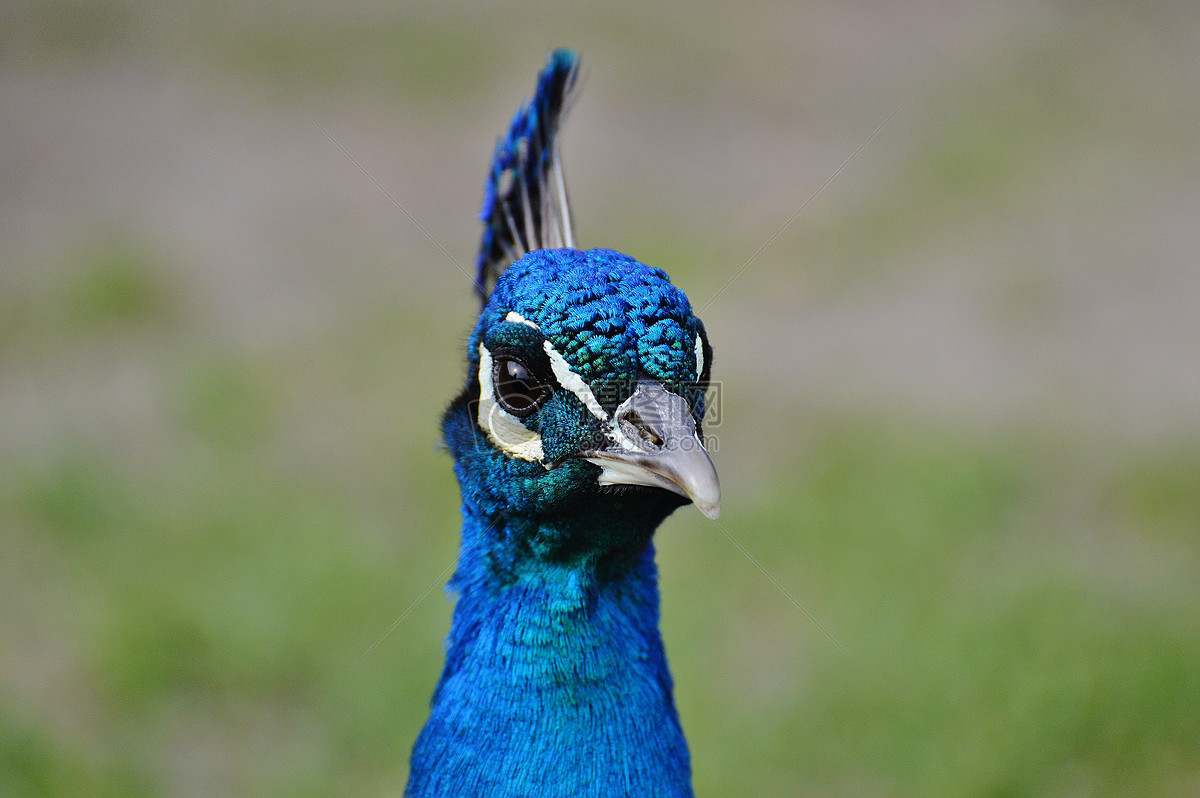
[517, 389]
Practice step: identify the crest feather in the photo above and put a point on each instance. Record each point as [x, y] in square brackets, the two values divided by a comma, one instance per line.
[525, 205]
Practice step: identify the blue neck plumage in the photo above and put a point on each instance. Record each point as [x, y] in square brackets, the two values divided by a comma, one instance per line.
[572, 626]
[556, 680]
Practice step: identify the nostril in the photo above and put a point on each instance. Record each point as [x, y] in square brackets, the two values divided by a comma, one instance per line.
[638, 425]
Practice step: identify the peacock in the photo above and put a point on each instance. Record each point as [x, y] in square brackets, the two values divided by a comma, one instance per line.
[579, 430]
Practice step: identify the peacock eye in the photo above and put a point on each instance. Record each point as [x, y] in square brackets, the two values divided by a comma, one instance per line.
[517, 390]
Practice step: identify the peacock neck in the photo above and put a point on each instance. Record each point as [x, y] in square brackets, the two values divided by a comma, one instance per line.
[556, 680]
[566, 621]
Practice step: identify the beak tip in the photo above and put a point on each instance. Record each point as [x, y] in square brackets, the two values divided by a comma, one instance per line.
[712, 511]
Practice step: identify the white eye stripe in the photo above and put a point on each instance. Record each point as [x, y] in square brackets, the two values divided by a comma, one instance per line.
[571, 381]
[517, 318]
[699, 357]
[503, 429]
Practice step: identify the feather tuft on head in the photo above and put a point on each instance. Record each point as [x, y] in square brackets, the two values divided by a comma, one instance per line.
[525, 205]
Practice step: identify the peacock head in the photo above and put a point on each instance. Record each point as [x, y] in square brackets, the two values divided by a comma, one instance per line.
[586, 389]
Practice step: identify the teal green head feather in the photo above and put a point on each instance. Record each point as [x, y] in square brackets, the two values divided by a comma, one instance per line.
[579, 429]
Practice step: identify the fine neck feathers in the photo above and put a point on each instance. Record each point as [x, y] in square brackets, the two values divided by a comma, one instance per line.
[555, 682]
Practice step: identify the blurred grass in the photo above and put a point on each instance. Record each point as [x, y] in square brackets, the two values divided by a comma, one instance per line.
[186, 601]
[1002, 641]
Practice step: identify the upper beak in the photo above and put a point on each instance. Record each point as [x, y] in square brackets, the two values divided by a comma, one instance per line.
[656, 444]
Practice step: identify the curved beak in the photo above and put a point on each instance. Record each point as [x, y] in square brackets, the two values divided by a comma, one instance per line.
[655, 444]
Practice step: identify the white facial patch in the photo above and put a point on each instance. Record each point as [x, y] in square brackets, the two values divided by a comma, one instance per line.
[504, 430]
[699, 357]
[517, 318]
[573, 382]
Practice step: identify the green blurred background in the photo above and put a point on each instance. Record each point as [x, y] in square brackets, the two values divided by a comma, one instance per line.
[960, 418]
